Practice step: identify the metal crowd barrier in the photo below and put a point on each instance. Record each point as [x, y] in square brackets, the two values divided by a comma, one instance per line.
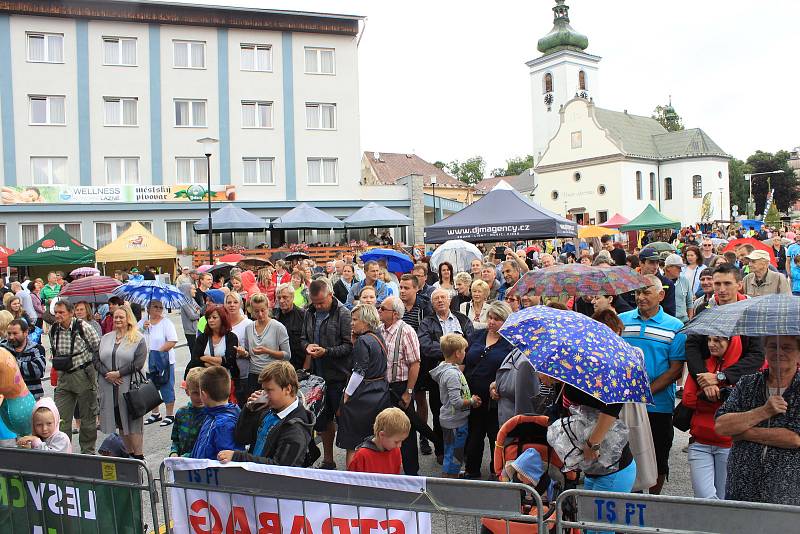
[649, 514]
[233, 499]
[46, 492]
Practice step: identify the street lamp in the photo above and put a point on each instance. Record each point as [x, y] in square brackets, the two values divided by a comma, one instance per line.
[433, 183]
[751, 207]
[208, 144]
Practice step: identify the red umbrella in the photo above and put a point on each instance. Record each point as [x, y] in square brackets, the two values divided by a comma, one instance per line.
[231, 258]
[758, 245]
[92, 288]
[4, 254]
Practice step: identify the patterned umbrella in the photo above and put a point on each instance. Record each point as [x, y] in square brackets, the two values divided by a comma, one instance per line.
[770, 315]
[94, 289]
[81, 272]
[578, 279]
[579, 351]
[143, 292]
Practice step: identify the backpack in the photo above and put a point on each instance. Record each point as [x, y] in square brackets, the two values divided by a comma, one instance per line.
[63, 362]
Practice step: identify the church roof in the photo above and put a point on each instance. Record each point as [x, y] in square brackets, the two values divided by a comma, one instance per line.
[644, 137]
[562, 36]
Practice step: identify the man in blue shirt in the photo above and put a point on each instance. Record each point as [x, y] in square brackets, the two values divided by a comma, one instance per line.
[650, 264]
[649, 328]
[792, 251]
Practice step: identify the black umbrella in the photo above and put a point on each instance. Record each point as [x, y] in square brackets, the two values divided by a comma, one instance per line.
[221, 269]
[296, 256]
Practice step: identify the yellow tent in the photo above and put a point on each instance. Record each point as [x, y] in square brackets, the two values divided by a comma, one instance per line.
[138, 247]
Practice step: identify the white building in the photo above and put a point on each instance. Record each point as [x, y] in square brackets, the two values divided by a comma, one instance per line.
[102, 103]
[592, 163]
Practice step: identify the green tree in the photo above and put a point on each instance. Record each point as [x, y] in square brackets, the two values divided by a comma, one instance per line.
[668, 117]
[470, 171]
[785, 185]
[514, 166]
[737, 184]
[439, 164]
[773, 217]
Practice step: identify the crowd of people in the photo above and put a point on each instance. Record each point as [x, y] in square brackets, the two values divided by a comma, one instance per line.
[396, 350]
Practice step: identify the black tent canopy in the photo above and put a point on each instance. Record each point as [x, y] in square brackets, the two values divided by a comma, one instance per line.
[502, 215]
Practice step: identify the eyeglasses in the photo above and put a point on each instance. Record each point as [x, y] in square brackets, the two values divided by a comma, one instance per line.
[385, 309]
[707, 245]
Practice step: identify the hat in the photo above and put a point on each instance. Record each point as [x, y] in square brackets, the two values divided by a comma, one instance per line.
[217, 296]
[528, 464]
[114, 446]
[135, 270]
[649, 254]
[673, 259]
[758, 255]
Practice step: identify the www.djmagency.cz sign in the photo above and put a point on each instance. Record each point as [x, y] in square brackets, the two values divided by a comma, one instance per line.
[43, 506]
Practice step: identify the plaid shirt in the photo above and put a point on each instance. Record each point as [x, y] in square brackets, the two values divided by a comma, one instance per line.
[409, 350]
[185, 429]
[83, 351]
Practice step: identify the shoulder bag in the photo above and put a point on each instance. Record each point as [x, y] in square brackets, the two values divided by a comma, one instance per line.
[142, 396]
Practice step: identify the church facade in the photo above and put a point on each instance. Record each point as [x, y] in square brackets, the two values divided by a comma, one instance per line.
[592, 163]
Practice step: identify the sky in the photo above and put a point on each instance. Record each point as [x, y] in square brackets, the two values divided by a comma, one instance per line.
[447, 79]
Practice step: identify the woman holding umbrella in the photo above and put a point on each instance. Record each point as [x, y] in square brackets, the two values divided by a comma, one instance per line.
[161, 337]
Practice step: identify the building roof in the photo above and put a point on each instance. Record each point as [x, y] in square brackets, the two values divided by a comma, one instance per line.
[562, 36]
[644, 137]
[390, 167]
[522, 182]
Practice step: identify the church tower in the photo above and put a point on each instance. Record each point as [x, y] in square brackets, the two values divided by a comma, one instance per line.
[563, 72]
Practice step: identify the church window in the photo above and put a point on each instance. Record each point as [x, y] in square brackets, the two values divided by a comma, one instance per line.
[577, 140]
[602, 216]
[601, 190]
[576, 177]
[652, 186]
[697, 186]
[638, 185]
[554, 195]
[582, 80]
[668, 188]
[547, 83]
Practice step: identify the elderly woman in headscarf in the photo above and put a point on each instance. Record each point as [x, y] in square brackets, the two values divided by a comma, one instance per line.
[190, 314]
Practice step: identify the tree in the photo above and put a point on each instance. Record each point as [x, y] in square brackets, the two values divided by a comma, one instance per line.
[514, 166]
[668, 118]
[439, 164]
[471, 171]
[773, 217]
[785, 185]
[737, 184]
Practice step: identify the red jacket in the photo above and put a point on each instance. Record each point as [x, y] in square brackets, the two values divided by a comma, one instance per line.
[368, 459]
[702, 426]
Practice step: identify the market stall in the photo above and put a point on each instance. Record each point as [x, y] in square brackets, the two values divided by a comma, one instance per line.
[56, 251]
[137, 247]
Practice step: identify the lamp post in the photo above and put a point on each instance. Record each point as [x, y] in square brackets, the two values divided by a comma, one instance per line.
[751, 208]
[433, 184]
[208, 144]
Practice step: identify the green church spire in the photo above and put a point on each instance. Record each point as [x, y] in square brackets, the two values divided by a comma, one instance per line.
[562, 36]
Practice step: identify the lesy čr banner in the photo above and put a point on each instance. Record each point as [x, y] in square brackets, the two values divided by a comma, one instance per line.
[205, 511]
[77, 194]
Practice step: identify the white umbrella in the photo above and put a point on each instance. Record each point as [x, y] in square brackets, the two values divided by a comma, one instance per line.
[457, 253]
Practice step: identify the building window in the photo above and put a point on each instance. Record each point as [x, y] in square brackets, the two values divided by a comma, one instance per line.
[46, 47]
[652, 186]
[321, 116]
[256, 57]
[47, 110]
[121, 171]
[638, 185]
[3, 235]
[602, 216]
[323, 171]
[189, 54]
[119, 51]
[547, 83]
[320, 61]
[49, 171]
[601, 189]
[180, 234]
[576, 177]
[106, 232]
[256, 114]
[554, 195]
[31, 233]
[577, 139]
[581, 80]
[191, 171]
[257, 171]
[120, 111]
[190, 113]
[697, 186]
[667, 188]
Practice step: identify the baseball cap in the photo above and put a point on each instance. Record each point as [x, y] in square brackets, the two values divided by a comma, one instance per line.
[673, 259]
[758, 255]
[135, 270]
[649, 254]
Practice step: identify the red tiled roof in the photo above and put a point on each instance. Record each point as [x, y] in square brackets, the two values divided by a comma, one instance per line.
[522, 182]
[391, 167]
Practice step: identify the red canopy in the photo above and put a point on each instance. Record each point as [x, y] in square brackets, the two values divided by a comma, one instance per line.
[615, 222]
[4, 254]
[758, 245]
[231, 258]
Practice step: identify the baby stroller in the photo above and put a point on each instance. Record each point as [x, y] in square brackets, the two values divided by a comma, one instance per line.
[518, 435]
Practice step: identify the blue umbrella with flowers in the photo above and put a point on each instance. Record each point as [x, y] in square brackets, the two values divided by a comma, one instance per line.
[144, 291]
[580, 351]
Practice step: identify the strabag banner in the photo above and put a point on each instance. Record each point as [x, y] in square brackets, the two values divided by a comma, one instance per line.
[77, 194]
[205, 511]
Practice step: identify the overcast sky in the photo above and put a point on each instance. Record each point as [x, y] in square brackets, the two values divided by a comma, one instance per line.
[447, 79]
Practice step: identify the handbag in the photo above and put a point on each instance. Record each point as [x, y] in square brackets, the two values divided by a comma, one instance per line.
[141, 397]
[158, 367]
[682, 417]
[640, 440]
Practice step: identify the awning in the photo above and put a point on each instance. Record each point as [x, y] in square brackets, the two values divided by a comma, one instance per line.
[615, 222]
[650, 219]
[231, 219]
[374, 215]
[57, 247]
[307, 217]
[136, 243]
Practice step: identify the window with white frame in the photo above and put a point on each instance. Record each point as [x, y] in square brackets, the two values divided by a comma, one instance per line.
[323, 171]
[256, 57]
[49, 171]
[119, 51]
[181, 235]
[189, 54]
[121, 171]
[46, 47]
[256, 114]
[31, 233]
[120, 111]
[320, 116]
[320, 61]
[3, 235]
[47, 110]
[697, 186]
[190, 113]
[191, 171]
[106, 232]
[258, 171]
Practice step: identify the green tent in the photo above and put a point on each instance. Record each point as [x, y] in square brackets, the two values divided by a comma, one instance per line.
[55, 248]
[649, 219]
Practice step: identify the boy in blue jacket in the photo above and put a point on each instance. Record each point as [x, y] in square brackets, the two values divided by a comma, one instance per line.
[216, 434]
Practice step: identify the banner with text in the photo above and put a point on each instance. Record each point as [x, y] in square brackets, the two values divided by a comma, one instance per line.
[199, 511]
[77, 194]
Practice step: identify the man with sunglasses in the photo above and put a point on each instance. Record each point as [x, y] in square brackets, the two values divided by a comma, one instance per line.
[707, 251]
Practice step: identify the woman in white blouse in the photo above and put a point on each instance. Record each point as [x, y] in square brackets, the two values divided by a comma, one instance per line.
[239, 323]
[477, 309]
